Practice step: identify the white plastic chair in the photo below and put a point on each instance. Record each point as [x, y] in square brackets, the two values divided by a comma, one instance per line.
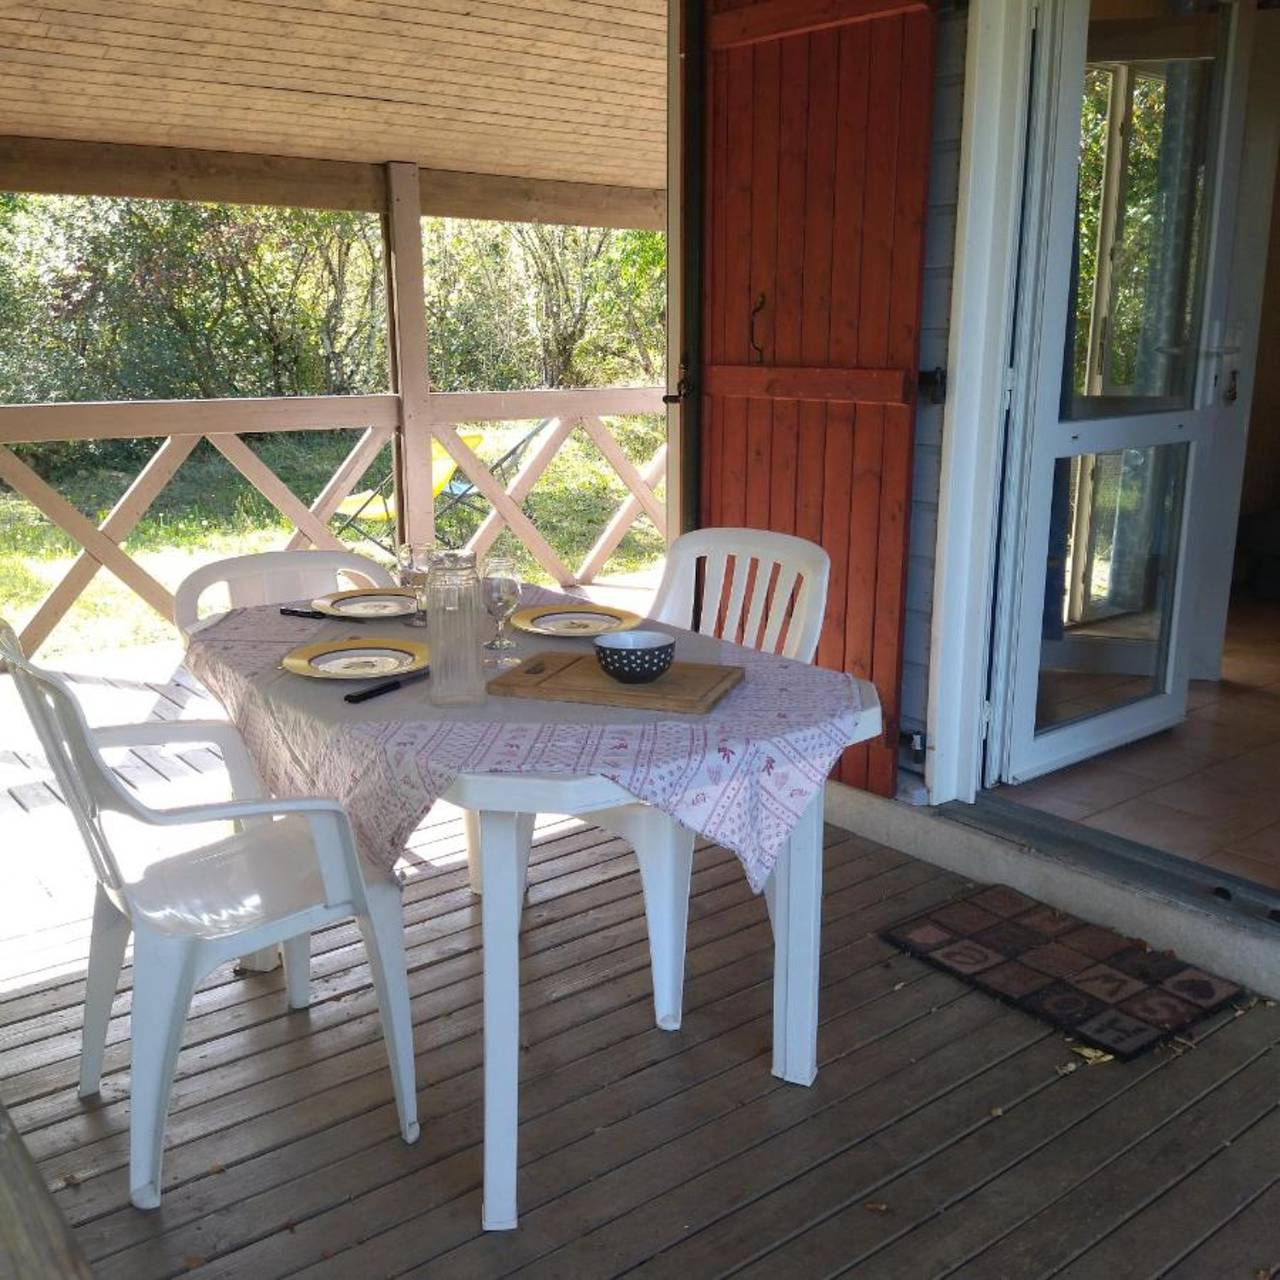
[787, 600]
[274, 577]
[271, 881]
[786, 576]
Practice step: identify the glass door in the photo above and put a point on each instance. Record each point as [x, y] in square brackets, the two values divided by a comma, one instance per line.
[1119, 398]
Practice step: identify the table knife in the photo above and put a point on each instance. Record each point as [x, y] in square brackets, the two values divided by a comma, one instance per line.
[387, 686]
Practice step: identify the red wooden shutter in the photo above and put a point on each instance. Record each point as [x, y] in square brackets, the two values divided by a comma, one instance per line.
[817, 154]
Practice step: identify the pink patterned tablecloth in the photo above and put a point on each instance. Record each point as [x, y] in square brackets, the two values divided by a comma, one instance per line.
[741, 775]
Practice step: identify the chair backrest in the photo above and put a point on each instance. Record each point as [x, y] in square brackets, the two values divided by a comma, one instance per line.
[774, 599]
[274, 577]
[88, 786]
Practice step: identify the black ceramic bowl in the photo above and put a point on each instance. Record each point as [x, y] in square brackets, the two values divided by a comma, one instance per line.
[635, 657]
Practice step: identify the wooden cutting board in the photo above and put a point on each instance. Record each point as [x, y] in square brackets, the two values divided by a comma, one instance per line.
[689, 687]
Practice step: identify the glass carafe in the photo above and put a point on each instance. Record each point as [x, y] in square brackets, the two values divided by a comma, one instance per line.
[455, 618]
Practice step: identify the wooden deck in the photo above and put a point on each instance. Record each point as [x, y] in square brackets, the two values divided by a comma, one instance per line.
[946, 1135]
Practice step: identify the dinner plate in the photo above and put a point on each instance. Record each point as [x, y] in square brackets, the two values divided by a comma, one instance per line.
[362, 659]
[573, 620]
[380, 602]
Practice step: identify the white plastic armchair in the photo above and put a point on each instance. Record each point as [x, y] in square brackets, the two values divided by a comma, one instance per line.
[786, 577]
[273, 577]
[289, 866]
[783, 611]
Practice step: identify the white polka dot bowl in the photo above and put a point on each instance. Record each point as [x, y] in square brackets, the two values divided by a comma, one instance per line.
[635, 657]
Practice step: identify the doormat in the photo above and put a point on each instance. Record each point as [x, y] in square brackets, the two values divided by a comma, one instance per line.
[1108, 991]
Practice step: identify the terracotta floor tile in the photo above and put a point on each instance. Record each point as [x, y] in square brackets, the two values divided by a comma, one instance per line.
[1265, 873]
[1162, 827]
[1159, 759]
[1264, 845]
[1047, 802]
[1224, 796]
[1096, 784]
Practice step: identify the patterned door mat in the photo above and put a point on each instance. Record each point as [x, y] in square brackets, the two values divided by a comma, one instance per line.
[1108, 991]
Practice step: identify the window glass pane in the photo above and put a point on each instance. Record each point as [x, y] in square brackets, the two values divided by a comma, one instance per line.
[1109, 580]
[1144, 142]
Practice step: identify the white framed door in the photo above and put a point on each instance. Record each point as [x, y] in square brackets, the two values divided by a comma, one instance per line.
[1120, 331]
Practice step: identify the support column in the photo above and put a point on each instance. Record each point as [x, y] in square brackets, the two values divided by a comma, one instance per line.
[407, 337]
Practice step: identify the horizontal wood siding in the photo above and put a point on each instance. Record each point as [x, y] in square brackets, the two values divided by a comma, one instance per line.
[940, 228]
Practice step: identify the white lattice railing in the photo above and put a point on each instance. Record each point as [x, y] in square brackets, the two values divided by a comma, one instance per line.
[183, 424]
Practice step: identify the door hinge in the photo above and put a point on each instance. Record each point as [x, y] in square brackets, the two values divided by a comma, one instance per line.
[1010, 379]
[987, 716]
[684, 388]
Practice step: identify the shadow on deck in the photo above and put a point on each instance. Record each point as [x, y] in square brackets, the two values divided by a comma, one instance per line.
[945, 1135]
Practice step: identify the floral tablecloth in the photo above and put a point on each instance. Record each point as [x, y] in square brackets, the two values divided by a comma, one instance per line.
[741, 775]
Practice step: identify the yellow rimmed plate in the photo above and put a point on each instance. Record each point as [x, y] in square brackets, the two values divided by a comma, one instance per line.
[363, 659]
[367, 602]
[573, 620]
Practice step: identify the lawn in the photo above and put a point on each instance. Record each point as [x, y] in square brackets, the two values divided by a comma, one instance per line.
[208, 512]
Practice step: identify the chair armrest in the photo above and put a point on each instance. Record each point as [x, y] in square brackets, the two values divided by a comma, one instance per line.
[245, 783]
[329, 828]
[238, 810]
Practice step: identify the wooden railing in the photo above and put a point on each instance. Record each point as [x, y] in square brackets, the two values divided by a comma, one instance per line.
[378, 417]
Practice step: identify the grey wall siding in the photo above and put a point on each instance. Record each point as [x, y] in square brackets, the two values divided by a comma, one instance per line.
[944, 179]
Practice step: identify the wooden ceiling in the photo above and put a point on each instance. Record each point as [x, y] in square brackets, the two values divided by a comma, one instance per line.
[566, 90]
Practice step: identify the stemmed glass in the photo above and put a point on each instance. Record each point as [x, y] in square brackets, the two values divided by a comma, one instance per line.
[501, 589]
[412, 560]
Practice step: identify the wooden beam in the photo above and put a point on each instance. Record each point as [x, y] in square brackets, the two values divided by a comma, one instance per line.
[17, 475]
[407, 318]
[59, 167]
[452, 407]
[774, 19]
[276, 492]
[35, 1240]
[448, 194]
[343, 481]
[516, 520]
[133, 504]
[56, 166]
[127, 419]
[627, 472]
[622, 519]
[520, 488]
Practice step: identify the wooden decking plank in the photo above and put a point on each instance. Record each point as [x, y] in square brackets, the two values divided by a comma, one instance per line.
[984, 1208]
[1247, 1246]
[582, 1110]
[632, 1048]
[995, 1144]
[1157, 1237]
[595, 1155]
[434, 959]
[352, 1068]
[32, 796]
[618, 1220]
[1186, 1134]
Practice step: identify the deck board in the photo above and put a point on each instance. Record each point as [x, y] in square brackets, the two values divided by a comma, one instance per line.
[944, 1135]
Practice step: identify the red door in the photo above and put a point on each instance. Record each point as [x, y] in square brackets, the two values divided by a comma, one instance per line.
[816, 162]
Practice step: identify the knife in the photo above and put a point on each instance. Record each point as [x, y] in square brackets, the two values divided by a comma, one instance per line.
[387, 686]
[302, 613]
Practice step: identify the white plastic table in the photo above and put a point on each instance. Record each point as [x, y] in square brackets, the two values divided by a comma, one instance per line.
[384, 757]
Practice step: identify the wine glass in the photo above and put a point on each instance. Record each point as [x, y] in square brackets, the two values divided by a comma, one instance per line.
[412, 559]
[501, 589]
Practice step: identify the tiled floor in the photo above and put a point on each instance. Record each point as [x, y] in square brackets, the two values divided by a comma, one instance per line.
[1208, 789]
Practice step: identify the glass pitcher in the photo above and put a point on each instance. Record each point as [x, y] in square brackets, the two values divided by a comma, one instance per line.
[455, 619]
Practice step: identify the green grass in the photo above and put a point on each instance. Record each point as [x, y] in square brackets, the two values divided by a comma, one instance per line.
[208, 511]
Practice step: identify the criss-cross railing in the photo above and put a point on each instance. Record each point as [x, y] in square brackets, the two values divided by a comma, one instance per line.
[225, 423]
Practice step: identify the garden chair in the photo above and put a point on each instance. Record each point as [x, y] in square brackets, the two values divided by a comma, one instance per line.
[777, 595]
[273, 577]
[289, 866]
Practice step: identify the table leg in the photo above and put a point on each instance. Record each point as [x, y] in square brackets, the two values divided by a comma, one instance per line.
[796, 910]
[502, 866]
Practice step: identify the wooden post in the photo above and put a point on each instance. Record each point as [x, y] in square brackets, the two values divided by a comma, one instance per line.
[407, 341]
